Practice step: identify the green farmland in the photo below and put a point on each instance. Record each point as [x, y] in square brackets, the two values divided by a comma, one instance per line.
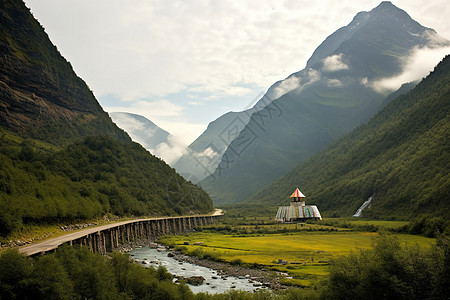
[305, 253]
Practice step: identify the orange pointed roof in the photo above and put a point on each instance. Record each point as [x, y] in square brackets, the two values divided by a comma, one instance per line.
[297, 194]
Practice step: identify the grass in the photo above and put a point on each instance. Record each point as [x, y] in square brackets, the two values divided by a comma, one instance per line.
[365, 224]
[307, 252]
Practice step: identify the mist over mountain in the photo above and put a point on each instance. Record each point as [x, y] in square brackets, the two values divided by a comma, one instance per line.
[62, 159]
[345, 82]
[204, 154]
[401, 157]
[153, 138]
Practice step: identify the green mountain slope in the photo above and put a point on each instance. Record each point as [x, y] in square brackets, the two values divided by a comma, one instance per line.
[62, 159]
[333, 95]
[401, 156]
[40, 95]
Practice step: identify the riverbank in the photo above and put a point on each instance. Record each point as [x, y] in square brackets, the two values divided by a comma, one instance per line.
[261, 277]
[265, 277]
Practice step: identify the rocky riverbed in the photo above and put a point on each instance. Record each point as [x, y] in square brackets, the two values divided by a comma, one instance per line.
[266, 278]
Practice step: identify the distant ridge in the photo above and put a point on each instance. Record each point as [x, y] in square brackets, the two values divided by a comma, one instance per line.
[153, 138]
[401, 157]
[340, 89]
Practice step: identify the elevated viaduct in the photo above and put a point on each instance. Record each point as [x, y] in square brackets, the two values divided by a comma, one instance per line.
[107, 238]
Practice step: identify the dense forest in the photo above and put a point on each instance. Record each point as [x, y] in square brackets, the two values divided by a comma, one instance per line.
[401, 156]
[89, 178]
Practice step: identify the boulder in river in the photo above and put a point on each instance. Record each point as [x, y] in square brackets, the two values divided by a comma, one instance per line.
[195, 280]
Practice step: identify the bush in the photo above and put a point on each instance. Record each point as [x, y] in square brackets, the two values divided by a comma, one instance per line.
[79, 274]
[391, 271]
[429, 226]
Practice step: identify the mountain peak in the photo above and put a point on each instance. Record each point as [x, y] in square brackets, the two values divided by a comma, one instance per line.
[386, 15]
[386, 4]
[337, 91]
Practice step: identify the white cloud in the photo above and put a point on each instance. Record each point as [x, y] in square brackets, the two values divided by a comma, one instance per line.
[296, 83]
[165, 115]
[334, 63]
[170, 151]
[150, 109]
[131, 124]
[313, 76]
[195, 102]
[150, 49]
[142, 49]
[417, 66]
[208, 153]
[286, 85]
[334, 83]
[365, 81]
[186, 131]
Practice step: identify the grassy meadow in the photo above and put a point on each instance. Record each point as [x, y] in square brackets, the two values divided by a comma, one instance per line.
[305, 249]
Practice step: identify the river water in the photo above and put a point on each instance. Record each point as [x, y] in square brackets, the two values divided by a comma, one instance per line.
[214, 283]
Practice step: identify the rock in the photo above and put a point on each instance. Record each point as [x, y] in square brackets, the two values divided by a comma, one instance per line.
[195, 280]
[170, 254]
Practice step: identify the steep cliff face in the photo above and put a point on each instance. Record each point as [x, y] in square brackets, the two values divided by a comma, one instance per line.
[40, 95]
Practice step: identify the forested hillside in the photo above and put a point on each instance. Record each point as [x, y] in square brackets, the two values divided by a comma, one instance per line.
[402, 157]
[89, 178]
[335, 93]
[62, 159]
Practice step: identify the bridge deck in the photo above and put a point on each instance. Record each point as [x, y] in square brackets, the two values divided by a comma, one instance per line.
[54, 243]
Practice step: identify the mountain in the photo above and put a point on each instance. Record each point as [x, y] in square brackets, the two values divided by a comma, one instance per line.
[40, 95]
[143, 131]
[62, 159]
[204, 154]
[401, 157]
[340, 89]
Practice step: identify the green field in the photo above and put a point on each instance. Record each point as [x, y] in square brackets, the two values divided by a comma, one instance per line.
[307, 252]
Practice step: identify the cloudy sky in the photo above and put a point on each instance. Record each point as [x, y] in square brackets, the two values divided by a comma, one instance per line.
[183, 63]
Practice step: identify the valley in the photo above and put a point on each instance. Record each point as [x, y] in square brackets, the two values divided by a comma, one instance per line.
[90, 189]
[302, 252]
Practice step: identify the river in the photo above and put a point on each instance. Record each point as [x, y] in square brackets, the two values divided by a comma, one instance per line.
[214, 282]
